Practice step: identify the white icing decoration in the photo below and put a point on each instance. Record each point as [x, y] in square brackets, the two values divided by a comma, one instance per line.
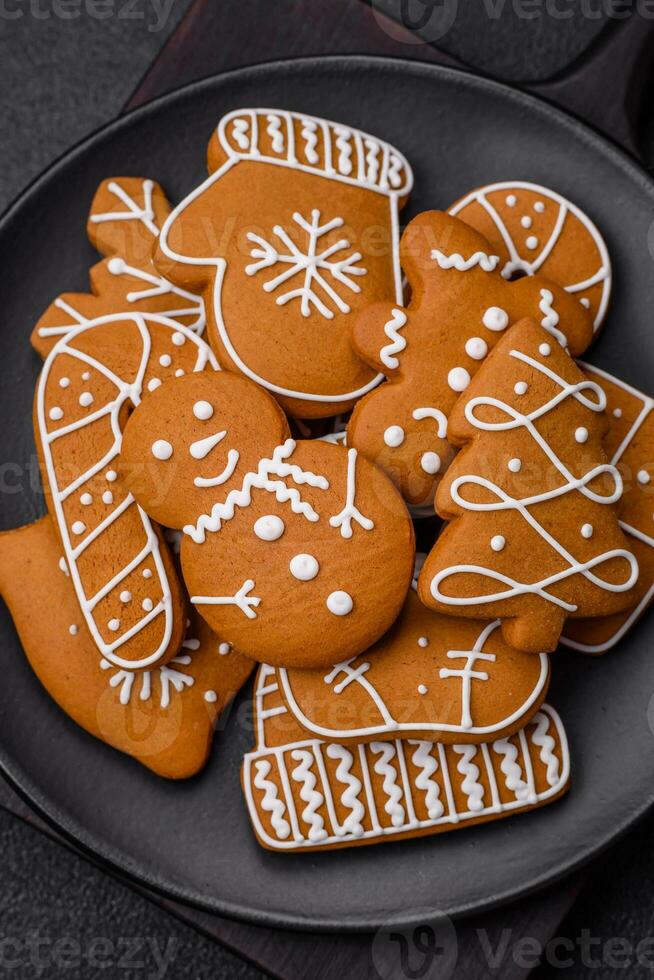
[531, 242]
[203, 410]
[340, 603]
[398, 343]
[144, 214]
[111, 476]
[495, 318]
[498, 542]
[64, 382]
[114, 625]
[309, 794]
[224, 649]
[242, 598]
[125, 596]
[617, 412]
[468, 673]
[153, 384]
[350, 796]
[147, 604]
[165, 360]
[86, 499]
[210, 697]
[470, 785]
[458, 379]
[271, 802]
[581, 434]
[476, 348]
[73, 630]
[304, 567]
[423, 641]
[423, 760]
[511, 768]
[274, 130]
[161, 449]
[521, 387]
[269, 527]
[544, 349]
[86, 399]
[547, 746]
[550, 316]
[515, 465]
[147, 573]
[643, 477]
[350, 511]
[587, 530]
[79, 527]
[539, 206]
[511, 200]
[526, 221]
[430, 462]
[394, 436]
[178, 339]
[455, 261]
[56, 413]
[422, 688]
[107, 497]
[383, 767]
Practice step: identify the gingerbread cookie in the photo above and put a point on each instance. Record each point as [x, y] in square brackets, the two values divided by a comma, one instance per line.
[163, 717]
[460, 307]
[304, 794]
[293, 233]
[534, 534]
[630, 446]
[299, 553]
[91, 379]
[535, 230]
[124, 223]
[430, 677]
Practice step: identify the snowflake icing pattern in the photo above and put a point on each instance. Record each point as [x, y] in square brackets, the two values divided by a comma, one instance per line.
[315, 267]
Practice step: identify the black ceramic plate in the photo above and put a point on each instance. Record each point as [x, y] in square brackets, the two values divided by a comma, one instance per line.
[193, 840]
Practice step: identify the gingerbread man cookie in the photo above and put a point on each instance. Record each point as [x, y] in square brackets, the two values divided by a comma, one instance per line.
[460, 307]
[534, 230]
[124, 222]
[304, 794]
[534, 534]
[292, 234]
[298, 553]
[430, 677]
[163, 717]
[127, 589]
[630, 446]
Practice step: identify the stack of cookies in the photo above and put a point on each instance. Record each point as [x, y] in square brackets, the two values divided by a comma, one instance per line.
[241, 428]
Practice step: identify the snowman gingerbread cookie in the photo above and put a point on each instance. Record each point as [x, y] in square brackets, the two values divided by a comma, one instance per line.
[293, 233]
[299, 553]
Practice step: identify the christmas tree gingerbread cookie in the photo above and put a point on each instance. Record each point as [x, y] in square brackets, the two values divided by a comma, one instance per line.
[292, 234]
[630, 446]
[306, 794]
[163, 717]
[534, 536]
[460, 307]
[124, 222]
[536, 231]
[299, 553]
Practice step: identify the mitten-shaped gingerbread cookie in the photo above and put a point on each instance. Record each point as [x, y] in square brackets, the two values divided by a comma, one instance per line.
[534, 536]
[460, 307]
[124, 222]
[298, 553]
[125, 584]
[294, 232]
[534, 230]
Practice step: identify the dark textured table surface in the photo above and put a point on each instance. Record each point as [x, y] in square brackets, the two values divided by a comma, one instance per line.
[64, 71]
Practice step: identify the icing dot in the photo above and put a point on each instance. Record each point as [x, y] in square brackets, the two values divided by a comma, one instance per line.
[423, 641]
[520, 387]
[56, 413]
[545, 350]
[178, 339]
[511, 200]
[224, 649]
[110, 476]
[495, 318]
[394, 436]
[585, 301]
[210, 696]
[458, 379]
[581, 434]
[477, 348]
[86, 375]
[79, 527]
[86, 399]
[497, 542]
[107, 497]
[422, 689]
[643, 476]
[269, 527]
[116, 266]
[86, 499]
[305, 568]
[179, 372]
[153, 384]
[539, 207]
[587, 530]
[114, 624]
[339, 603]
[64, 382]
[161, 449]
[72, 629]
[515, 464]
[526, 221]
[617, 412]
[165, 360]
[125, 596]
[203, 410]
[147, 573]
[147, 604]
[431, 463]
[532, 242]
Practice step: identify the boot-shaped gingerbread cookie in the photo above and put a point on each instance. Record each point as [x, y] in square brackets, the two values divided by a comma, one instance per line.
[124, 223]
[460, 307]
[297, 553]
[534, 534]
[293, 233]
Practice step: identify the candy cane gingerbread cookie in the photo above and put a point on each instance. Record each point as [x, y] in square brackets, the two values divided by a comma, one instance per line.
[163, 717]
[124, 222]
[460, 307]
[283, 241]
[534, 536]
[305, 794]
[534, 230]
[300, 553]
[95, 374]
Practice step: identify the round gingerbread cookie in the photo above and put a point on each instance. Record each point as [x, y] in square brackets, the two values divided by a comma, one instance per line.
[536, 230]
